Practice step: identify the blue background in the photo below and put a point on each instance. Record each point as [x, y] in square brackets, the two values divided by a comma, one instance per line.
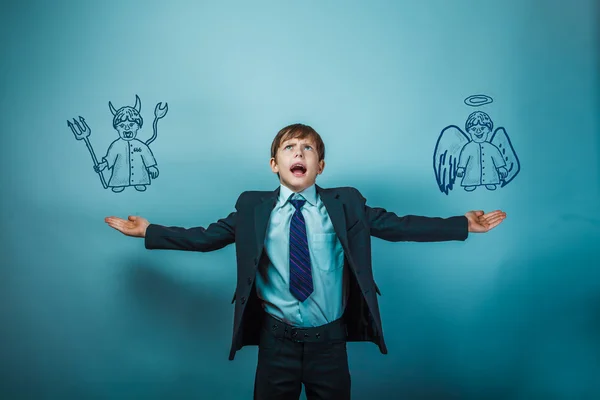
[87, 313]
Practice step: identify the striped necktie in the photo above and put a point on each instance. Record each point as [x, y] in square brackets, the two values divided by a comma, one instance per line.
[301, 284]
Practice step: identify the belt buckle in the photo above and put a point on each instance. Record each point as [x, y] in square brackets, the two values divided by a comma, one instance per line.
[300, 335]
[294, 334]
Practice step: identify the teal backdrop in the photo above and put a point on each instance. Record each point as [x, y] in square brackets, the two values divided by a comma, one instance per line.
[87, 313]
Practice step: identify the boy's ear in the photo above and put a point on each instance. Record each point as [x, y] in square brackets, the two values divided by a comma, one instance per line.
[274, 166]
[321, 167]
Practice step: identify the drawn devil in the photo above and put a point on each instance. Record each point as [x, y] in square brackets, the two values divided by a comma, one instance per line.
[130, 160]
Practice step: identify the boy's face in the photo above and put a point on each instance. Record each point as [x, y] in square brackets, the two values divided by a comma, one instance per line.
[297, 163]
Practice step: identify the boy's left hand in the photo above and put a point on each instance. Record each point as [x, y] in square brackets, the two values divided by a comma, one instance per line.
[480, 222]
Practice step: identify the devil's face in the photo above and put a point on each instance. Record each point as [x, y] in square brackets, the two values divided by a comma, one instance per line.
[479, 133]
[127, 129]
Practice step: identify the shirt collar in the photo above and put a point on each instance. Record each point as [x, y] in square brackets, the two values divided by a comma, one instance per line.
[309, 194]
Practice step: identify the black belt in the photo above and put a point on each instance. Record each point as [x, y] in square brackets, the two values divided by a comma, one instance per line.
[332, 331]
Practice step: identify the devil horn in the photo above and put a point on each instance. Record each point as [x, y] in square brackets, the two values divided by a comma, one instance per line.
[138, 104]
[112, 109]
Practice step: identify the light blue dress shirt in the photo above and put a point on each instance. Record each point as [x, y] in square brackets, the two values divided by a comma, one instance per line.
[327, 302]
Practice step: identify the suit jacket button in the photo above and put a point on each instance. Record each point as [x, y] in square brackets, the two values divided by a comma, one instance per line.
[256, 261]
[249, 281]
[243, 300]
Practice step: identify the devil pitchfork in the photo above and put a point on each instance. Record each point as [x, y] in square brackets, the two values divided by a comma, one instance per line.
[82, 132]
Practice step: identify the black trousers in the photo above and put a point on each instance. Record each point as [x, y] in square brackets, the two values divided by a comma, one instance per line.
[289, 357]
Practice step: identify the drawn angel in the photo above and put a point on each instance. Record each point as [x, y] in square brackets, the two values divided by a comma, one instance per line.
[480, 160]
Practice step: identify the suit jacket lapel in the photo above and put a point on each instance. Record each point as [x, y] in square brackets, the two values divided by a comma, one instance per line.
[262, 213]
[335, 209]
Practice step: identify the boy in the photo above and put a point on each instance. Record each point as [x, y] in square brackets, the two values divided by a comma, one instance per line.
[304, 281]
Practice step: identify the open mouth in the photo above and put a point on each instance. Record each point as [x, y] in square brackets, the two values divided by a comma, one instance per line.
[128, 135]
[479, 136]
[298, 169]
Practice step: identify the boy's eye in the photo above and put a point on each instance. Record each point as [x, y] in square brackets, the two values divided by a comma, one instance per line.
[289, 146]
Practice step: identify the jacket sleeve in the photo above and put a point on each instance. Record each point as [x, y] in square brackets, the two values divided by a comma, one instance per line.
[388, 226]
[216, 236]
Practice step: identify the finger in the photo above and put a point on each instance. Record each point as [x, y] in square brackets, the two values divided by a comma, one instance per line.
[124, 230]
[494, 214]
[115, 222]
[132, 218]
[492, 218]
[493, 223]
[120, 224]
[478, 213]
[112, 219]
[115, 226]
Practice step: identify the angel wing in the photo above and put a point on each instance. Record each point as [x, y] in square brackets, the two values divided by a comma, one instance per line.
[501, 140]
[446, 154]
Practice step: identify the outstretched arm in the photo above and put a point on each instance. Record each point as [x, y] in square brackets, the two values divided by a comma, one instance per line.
[389, 226]
[216, 236]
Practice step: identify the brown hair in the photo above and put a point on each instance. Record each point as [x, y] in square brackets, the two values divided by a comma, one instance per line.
[300, 131]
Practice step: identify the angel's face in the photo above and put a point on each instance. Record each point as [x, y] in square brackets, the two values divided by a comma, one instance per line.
[479, 133]
[127, 129]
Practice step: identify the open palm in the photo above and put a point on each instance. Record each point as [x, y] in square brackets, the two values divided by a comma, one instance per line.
[132, 226]
[479, 222]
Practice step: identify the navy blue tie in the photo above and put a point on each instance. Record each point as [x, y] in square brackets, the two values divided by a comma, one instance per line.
[301, 283]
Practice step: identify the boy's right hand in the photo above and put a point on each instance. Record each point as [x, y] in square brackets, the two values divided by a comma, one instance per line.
[133, 226]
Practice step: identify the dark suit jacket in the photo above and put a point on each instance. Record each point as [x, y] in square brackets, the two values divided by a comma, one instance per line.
[354, 223]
